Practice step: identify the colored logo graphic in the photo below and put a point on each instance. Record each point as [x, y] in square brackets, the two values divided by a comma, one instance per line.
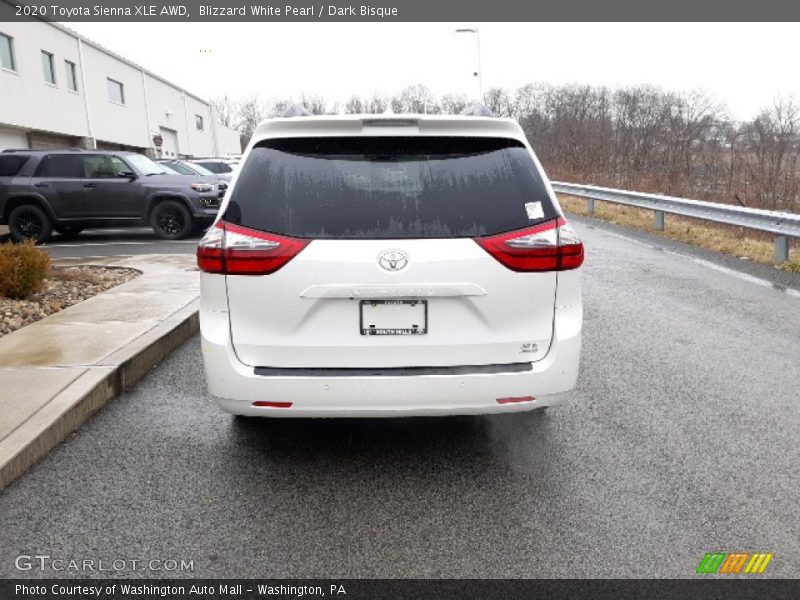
[734, 563]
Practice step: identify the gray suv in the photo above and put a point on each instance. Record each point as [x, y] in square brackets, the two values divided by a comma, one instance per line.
[69, 190]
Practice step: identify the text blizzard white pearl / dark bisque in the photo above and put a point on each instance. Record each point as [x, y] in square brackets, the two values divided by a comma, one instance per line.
[318, 11]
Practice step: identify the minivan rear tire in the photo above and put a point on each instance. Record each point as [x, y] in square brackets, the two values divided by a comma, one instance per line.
[171, 220]
[29, 222]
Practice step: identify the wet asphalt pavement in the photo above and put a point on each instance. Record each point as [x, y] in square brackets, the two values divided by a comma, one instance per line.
[93, 243]
[681, 439]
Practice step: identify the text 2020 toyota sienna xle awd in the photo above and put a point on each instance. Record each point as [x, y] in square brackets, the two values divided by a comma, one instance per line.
[387, 266]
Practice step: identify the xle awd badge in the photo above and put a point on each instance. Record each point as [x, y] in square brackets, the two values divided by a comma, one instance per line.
[393, 260]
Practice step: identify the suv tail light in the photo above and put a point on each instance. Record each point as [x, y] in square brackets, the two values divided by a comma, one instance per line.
[550, 246]
[235, 250]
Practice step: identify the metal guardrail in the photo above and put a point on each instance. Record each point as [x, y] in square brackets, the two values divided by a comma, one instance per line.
[782, 225]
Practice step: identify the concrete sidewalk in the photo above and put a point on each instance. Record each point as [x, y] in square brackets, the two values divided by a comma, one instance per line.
[57, 372]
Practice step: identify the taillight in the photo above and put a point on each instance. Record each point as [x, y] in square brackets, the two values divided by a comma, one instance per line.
[550, 246]
[209, 249]
[235, 250]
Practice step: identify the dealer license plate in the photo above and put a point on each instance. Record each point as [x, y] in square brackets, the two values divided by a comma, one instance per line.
[394, 317]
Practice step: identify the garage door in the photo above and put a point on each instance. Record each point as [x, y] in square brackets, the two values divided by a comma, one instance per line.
[50, 141]
[12, 138]
[169, 145]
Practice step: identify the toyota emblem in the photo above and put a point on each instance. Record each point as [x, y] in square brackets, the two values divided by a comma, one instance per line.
[393, 260]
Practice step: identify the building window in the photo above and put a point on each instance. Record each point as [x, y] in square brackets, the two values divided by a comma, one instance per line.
[7, 52]
[198, 122]
[49, 67]
[72, 75]
[116, 91]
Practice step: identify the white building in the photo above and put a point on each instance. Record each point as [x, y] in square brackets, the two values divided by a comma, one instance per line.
[59, 89]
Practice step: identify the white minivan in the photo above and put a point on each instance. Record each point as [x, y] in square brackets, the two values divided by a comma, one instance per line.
[379, 266]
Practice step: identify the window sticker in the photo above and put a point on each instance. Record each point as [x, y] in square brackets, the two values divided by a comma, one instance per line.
[534, 210]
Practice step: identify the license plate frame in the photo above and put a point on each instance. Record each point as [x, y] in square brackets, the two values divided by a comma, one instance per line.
[368, 326]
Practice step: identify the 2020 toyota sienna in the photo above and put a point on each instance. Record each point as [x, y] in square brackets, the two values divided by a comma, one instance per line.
[387, 266]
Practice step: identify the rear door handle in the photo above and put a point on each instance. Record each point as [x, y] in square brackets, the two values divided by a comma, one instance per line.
[90, 185]
[40, 185]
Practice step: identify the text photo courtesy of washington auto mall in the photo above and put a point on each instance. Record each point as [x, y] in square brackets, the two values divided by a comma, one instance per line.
[399, 300]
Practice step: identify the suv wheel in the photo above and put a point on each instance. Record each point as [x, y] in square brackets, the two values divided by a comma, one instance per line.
[68, 230]
[171, 220]
[201, 227]
[29, 222]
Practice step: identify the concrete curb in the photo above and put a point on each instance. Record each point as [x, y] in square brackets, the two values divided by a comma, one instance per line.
[91, 391]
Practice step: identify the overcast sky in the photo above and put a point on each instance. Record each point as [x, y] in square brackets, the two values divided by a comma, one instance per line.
[744, 65]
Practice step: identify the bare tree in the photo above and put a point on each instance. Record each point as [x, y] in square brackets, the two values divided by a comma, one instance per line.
[377, 104]
[225, 110]
[452, 104]
[772, 158]
[528, 100]
[499, 101]
[314, 104]
[250, 113]
[354, 106]
[416, 99]
[277, 107]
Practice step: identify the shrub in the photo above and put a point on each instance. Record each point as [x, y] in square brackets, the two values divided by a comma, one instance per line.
[23, 268]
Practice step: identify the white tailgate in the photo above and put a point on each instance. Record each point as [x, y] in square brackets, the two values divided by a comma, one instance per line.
[308, 313]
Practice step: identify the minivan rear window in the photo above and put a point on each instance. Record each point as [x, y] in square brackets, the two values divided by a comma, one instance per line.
[389, 187]
[11, 164]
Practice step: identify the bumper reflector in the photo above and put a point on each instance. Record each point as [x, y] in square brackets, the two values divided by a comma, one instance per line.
[273, 404]
[514, 400]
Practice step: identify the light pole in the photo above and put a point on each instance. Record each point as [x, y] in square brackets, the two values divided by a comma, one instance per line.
[479, 73]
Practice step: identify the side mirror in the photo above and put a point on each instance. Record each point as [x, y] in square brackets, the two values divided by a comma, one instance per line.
[128, 175]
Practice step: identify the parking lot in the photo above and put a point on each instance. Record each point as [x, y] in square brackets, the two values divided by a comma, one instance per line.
[110, 242]
[681, 439]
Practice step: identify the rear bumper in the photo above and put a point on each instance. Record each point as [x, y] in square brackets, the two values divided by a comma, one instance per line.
[236, 387]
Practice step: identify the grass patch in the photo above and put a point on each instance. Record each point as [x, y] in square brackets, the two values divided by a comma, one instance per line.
[735, 241]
